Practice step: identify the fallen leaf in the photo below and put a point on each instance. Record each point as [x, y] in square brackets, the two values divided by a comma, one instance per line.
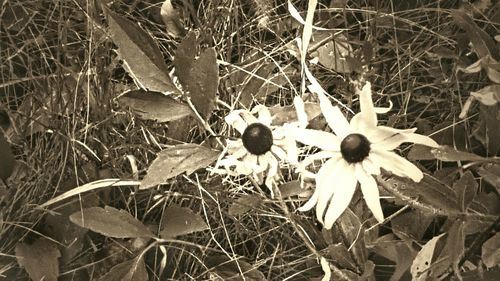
[178, 220]
[39, 259]
[423, 260]
[489, 95]
[176, 160]
[110, 222]
[143, 57]
[490, 255]
[171, 19]
[244, 204]
[131, 270]
[154, 105]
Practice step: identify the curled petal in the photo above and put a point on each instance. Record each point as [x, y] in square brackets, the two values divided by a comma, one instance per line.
[344, 185]
[366, 104]
[234, 119]
[370, 193]
[311, 202]
[323, 140]
[382, 110]
[396, 164]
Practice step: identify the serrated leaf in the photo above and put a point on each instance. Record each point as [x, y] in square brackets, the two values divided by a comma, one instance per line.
[111, 222]
[288, 114]
[423, 260]
[171, 19]
[466, 188]
[39, 259]
[176, 160]
[244, 204]
[489, 95]
[7, 159]
[139, 50]
[429, 194]
[131, 270]
[228, 269]
[178, 220]
[482, 41]
[154, 105]
[490, 255]
[199, 77]
[447, 153]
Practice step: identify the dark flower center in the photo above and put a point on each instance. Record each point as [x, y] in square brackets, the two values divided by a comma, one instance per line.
[257, 138]
[355, 148]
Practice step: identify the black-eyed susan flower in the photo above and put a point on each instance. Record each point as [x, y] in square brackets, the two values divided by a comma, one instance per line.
[356, 151]
[262, 146]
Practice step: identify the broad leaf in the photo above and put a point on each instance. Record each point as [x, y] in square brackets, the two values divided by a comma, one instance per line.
[452, 251]
[416, 229]
[488, 132]
[140, 52]
[39, 259]
[429, 194]
[131, 270]
[244, 204]
[171, 19]
[288, 114]
[447, 153]
[349, 226]
[154, 105]
[227, 269]
[482, 41]
[491, 174]
[335, 55]
[341, 256]
[466, 188]
[490, 255]
[178, 220]
[400, 252]
[7, 159]
[198, 76]
[423, 260]
[110, 222]
[177, 160]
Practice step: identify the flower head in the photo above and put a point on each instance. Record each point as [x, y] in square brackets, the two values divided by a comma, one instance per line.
[261, 146]
[356, 151]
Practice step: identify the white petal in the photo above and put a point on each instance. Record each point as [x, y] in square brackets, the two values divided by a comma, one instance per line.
[396, 140]
[279, 152]
[323, 140]
[380, 133]
[234, 119]
[370, 167]
[344, 182]
[359, 124]
[311, 202]
[396, 164]
[264, 116]
[263, 161]
[336, 120]
[366, 104]
[324, 182]
[271, 174]
[326, 269]
[248, 117]
[317, 156]
[239, 152]
[301, 111]
[370, 193]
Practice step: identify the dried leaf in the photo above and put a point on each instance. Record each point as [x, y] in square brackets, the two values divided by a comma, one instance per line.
[178, 220]
[227, 269]
[171, 19]
[466, 188]
[423, 260]
[154, 105]
[39, 259]
[131, 270]
[244, 204]
[176, 160]
[449, 154]
[110, 222]
[139, 50]
[490, 255]
[7, 159]
[200, 77]
[489, 95]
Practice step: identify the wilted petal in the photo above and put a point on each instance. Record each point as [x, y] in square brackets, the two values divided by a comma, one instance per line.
[321, 139]
[264, 116]
[234, 119]
[366, 104]
[326, 186]
[370, 192]
[396, 164]
[344, 182]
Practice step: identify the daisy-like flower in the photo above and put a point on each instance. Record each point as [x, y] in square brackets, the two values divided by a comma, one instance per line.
[356, 151]
[261, 146]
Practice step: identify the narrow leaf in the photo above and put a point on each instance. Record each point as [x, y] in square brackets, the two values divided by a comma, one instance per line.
[154, 105]
[482, 41]
[139, 50]
[177, 160]
[131, 270]
[491, 174]
[423, 260]
[39, 259]
[452, 251]
[180, 221]
[7, 159]
[199, 77]
[110, 222]
[466, 188]
[449, 154]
